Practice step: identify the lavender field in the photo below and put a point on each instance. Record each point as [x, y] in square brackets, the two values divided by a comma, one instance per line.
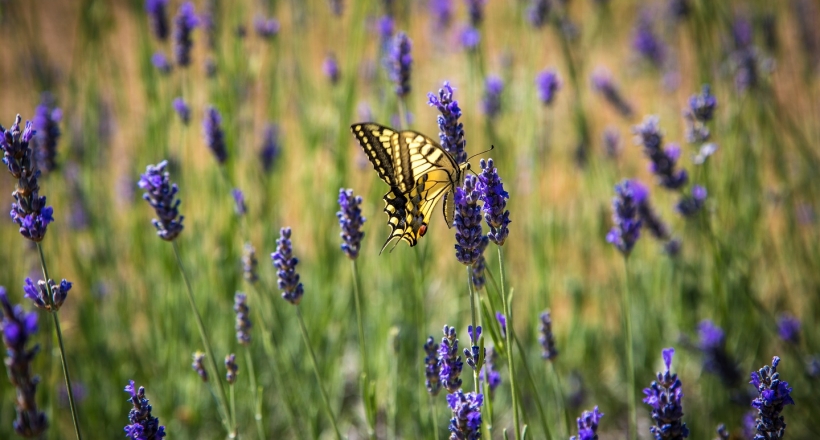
[199, 192]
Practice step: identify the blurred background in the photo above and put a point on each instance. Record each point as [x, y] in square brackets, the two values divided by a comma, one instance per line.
[287, 90]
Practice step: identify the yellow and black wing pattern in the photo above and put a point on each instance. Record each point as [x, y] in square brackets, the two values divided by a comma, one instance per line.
[419, 172]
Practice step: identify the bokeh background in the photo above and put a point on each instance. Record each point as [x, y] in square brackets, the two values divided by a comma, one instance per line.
[749, 258]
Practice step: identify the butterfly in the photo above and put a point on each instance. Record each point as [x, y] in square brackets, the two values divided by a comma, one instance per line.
[420, 173]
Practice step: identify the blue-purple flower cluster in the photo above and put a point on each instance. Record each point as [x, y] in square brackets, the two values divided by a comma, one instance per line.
[470, 241]
[663, 160]
[588, 425]
[712, 343]
[270, 146]
[214, 136]
[538, 12]
[249, 263]
[449, 361]
[664, 396]
[231, 368]
[330, 67]
[400, 62]
[285, 263]
[38, 293]
[547, 83]
[495, 199]
[451, 131]
[266, 28]
[157, 17]
[773, 396]
[143, 425]
[182, 109]
[491, 102]
[243, 318]
[473, 354]
[627, 227]
[602, 83]
[184, 24]
[466, 421]
[547, 339]
[646, 42]
[239, 205]
[199, 366]
[351, 221]
[47, 117]
[477, 272]
[161, 63]
[160, 194]
[788, 327]
[432, 367]
[489, 372]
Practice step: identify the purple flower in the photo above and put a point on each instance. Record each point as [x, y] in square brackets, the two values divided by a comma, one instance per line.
[538, 12]
[249, 263]
[749, 425]
[475, 10]
[351, 221]
[588, 425]
[473, 353]
[182, 110]
[266, 28]
[157, 17]
[612, 142]
[489, 372]
[547, 84]
[702, 106]
[466, 421]
[442, 12]
[649, 218]
[788, 327]
[239, 202]
[663, 160]
[432, 369]
[469, 38]
[773, 396]
[160, 194]
[39, 293]
[29, 210]
[494, 197]
[18, 327]
[547, 340]
[400, 62]
[184, 23]
[143, 425]
[47, 118]
[214, 136]
[243, 318]
[646, 42]
[231, 368]
[722, 432]
[502, 324]
[710, 335]
[451, 131]
[331, 68]
[385, 27]
[470, 240]
[477, 270]
[285, 264]
[449, 361]
[491, 102]
[270, 146]
[602, 83]
[691, 205]
[664, 396]
[716, 359]
[199, 366]
[627, 227]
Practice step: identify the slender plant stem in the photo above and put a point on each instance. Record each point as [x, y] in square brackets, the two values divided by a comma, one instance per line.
[75, 417]
[434, 411]
[559, 395]
[544, 422]
[223, 400]
[508, 343]
[233, 411]
[473, 338]
[255, 391]
[325, 399]
[365, 388]
[630, 356]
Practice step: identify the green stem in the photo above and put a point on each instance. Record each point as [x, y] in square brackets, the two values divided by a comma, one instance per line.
[434, 411]
[233, 412]
[560, 396]
[507, 304]
[473, 337]
[209, 352]
[260, 429]
[630, 357]
[75, 417]
[363, 351]
[325, 399]
[540, 407]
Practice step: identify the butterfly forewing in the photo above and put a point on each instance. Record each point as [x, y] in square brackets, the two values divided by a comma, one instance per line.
[377, 143]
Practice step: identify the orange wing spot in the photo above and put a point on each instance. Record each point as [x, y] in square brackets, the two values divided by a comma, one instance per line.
[422, 230]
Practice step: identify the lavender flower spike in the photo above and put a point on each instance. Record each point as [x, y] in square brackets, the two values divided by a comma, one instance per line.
[547, 84]
[231, 367]
[489, 373]
[239, 202]
[432, 369]
[538, 12]
[47, 118]
[773, 396]
[492, 193]
[688, 206]
[602, 83]
[451, 131]
[199, 366]
[160, 194]
[646, 42]
[466, 421]
[144, 426]
[473, 353]
[157, 17]
[627, 227]
[249, 263]
[270, 146]
[491, 102]
[214, 136]
[184, 23]
[351, 221]
[547, 339]
[716, 360]
[243, 318]
[449, 361]
[18, 327]
[502, 324]
[788, 327]
[648, 134]
[266, 28]
[470, 242]
[160, 62]
[588, 425]
[400, 62]
[649, 218]
[475, 9]
[442, 13]
[285, 264]
[703, 105]
[38, 293]
[664, 396]
[182, 109]
[331, 69]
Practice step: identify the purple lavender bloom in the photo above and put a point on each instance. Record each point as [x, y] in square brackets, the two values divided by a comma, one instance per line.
[466, 421]
[199, 366]
[773, 396]
[239, 202]
[160, 62]
[722, 432]
[469, 37]
[473, 353]
[214, 136]
[285, 264]
[627, 227]
[588, 425]
[664, 396]
[47, 118]
[502, 324]
[249, 263]
[182, 109]
[494, 197]
[749, 425]
[470, 241]
[547, 339]
[451, 131]
[547, 84]
[270, 146]
[649, 218]
[231, 368]
[184, 23]
[703, 105]
[741, 32]
[491, 102]
[143, 425]
[18, 327]
[646, 42]
[612, 142]
[351, 221]
[489, 373]
[449, 361]
[29, 210]
[716, 360]
[538, 12]
[432, 369]
[157, 17]
[688, 206]
[788, 327]
[266, 28]
[475, 9]
[331, 69]
[160, 194]
[602, 83]
[243, 318]
[400, 62]
[663, 160]
[39, 293]
[442, 12]
[385, 27]
[478, 272]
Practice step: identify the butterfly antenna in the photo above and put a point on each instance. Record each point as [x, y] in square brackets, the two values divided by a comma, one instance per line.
[492, 147]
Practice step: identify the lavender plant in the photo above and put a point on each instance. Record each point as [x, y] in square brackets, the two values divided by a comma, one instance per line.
[182, 109]
[449, 361]
[142, 424]
[773, 396]
[602, 83]
[664, 396]
[491, 102]
[547, 84]
[157, 18]
[184, 24]
[270, 149]
[47, 117]
[400, 63]
[466, 420]
[451, 131]
[712, 343]
[588, 425]
[214, 135]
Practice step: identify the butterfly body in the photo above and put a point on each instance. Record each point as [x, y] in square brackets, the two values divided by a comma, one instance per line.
[419, 172]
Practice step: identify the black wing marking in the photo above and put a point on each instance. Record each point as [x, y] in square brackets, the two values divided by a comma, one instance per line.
[377, 142]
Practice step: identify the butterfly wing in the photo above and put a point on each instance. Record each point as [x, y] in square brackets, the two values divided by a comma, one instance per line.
[377, 142]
